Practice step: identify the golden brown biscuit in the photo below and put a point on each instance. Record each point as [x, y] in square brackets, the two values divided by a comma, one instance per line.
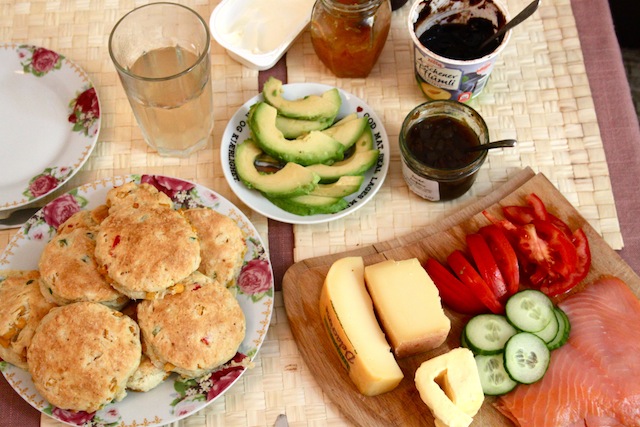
[82, 356]
[84, 219]
[22, 306]
[134, 195]
[146, 250]
[147, 376]
[195, 331]
[69, 272]
[222, 244]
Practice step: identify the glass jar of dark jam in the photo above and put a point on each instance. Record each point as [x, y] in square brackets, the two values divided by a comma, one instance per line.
[435, 139]
[348, 35]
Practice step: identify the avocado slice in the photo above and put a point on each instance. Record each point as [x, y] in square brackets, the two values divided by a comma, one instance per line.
[344, 186]
[347, 132]
[357, 164]
[362, 158]
[314, 147]
[312, 107]
[310, 205]
[291, 180]
[294, 128]
[365, 142]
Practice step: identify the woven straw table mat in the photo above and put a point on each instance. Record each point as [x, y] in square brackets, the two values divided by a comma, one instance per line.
[538, 93]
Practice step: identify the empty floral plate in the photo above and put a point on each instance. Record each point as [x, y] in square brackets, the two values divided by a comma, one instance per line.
[50, 118]
[174, 398]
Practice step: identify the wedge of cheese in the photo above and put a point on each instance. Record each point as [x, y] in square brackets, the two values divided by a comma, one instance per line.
[408, 306]
[450, 386]
[347, 313]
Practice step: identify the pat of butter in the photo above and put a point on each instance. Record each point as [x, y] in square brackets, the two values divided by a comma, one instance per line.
[261, 26]
[408, 305]
[347, 314]
[450, 386]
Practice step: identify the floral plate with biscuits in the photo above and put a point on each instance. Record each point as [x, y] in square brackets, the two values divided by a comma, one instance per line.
[175, 398]
[50, 120]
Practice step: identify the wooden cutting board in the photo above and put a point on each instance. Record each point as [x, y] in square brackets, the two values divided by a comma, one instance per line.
[303, 281]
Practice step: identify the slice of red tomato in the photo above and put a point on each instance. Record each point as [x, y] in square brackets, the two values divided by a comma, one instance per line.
[526, 214]
[539, 209]
[560, 286]
[504, 255]
[562, 255]
[470, 277]
[520, 215]
[561, 225]
[487, 265]
[455, 294]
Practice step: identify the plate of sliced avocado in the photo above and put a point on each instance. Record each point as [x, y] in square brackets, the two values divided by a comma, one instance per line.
[305, 153]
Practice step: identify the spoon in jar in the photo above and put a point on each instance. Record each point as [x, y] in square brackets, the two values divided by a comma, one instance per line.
[526, 12]
[504, 143]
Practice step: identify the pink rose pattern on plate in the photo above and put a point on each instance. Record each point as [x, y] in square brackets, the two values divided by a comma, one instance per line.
[255, 280]
[83, 116]
[208, 387]
[46, 182]
[38, 60]
[85, 112]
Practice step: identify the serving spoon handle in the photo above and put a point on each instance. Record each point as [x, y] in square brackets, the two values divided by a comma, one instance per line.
[495, 144]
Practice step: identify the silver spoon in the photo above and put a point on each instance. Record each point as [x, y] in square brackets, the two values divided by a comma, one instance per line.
[495, 144]
[526, 12]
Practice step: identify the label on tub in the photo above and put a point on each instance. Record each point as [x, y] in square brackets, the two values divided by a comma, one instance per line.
[447, 81]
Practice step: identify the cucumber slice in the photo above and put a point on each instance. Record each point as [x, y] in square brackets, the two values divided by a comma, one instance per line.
[526, 357]
[493, 377]
[550, 331]
[463, 340]
[564, 329]
[487, 333]
[529, 310]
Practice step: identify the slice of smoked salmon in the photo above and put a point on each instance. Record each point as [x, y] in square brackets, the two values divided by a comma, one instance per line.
[593, 380]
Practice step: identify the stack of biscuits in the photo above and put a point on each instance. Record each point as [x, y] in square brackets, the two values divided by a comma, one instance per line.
[124, 295]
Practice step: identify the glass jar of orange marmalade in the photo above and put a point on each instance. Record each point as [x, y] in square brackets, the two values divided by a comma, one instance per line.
[348, 35]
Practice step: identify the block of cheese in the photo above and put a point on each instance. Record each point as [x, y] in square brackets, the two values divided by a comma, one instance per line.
[408, 306]
[347, 314]
[450, 386]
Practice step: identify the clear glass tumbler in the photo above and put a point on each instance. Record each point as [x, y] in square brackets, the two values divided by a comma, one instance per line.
[161, 53]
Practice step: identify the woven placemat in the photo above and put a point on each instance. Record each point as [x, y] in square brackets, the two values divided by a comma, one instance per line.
[538, 93]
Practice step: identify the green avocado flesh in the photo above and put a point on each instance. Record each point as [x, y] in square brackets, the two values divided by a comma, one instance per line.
[294, 128]
[346, 185]
[312, 107]
[292, 180]
[310, 205]
[356, 164]
[314, 147]
[347, 133]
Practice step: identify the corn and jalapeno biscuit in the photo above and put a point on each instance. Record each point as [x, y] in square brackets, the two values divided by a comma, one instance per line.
[22, 306]
[222, 244]
[84, 219]
[135, 195]
[145, 250]
[82, 355]
[194, 331]
[147, 376]
[69, 272]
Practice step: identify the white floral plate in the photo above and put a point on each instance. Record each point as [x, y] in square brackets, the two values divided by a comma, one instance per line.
[237, 131]
[174, 398]
[50, 119]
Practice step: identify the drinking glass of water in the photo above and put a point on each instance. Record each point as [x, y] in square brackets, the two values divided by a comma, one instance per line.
[161, 52]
